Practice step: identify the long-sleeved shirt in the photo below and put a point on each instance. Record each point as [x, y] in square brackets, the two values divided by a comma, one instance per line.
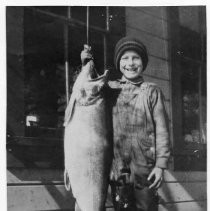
[140, 126]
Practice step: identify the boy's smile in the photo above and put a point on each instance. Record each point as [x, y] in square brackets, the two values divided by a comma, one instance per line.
[131, 65]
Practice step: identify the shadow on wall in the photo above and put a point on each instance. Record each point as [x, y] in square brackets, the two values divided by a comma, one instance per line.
[41, 189]
[183, 191]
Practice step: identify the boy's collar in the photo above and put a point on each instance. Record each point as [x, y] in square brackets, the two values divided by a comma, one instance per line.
[124, 80]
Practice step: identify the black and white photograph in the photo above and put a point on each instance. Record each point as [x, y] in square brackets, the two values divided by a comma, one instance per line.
[106, 107]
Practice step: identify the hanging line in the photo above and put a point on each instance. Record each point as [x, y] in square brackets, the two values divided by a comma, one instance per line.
[94, 72]
[66, 54]
[87, 25]
[104, 37]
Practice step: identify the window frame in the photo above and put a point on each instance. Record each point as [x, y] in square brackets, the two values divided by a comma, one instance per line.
[23, 143]
[176, 59]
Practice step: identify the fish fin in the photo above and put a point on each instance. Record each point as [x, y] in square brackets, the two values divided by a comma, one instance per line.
[69, 111]
[67, 180]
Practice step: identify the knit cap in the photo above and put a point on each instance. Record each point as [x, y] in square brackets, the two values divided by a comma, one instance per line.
[130, 43]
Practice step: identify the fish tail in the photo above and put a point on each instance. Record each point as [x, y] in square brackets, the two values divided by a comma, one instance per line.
[67, 180]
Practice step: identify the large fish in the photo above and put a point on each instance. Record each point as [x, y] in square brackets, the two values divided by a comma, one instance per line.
[87, 146]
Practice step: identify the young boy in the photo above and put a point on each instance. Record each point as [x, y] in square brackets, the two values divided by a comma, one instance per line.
[140, 131]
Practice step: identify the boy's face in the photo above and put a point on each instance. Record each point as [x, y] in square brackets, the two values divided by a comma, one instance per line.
[131, 65]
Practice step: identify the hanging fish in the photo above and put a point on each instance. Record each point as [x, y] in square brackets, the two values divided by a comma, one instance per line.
[87, 146]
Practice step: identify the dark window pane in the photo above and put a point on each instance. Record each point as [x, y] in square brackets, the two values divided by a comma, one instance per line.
[117, 29]
[41, 144]
[98, 16]
[117, 20]
[189, 17]
[96, 40]
[58, 10]
[203, 105]
[30, 152]
[190, 101]
[43, 47]
[192, 159]
[79, 13]
[77, 39]
[190, 150]
[190, 44]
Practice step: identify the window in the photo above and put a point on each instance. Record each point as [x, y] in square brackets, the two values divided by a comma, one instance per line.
[188, 47]
[50, 39]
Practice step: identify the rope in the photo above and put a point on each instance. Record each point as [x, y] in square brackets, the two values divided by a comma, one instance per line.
[87, 26]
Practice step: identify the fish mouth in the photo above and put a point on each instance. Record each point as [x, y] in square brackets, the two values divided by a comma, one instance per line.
[101, 77]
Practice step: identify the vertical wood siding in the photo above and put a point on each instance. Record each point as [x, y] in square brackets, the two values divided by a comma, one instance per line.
[181, 191]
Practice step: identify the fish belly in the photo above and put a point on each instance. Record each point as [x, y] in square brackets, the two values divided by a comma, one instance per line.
[88, 155]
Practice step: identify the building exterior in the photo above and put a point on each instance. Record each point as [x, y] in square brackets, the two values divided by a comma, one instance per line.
[43, 59]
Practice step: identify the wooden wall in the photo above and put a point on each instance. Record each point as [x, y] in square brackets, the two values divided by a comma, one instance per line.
[181, 191]
[150, 25]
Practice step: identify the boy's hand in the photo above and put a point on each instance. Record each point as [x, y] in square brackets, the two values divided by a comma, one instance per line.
[86, 55]
[157, 174]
